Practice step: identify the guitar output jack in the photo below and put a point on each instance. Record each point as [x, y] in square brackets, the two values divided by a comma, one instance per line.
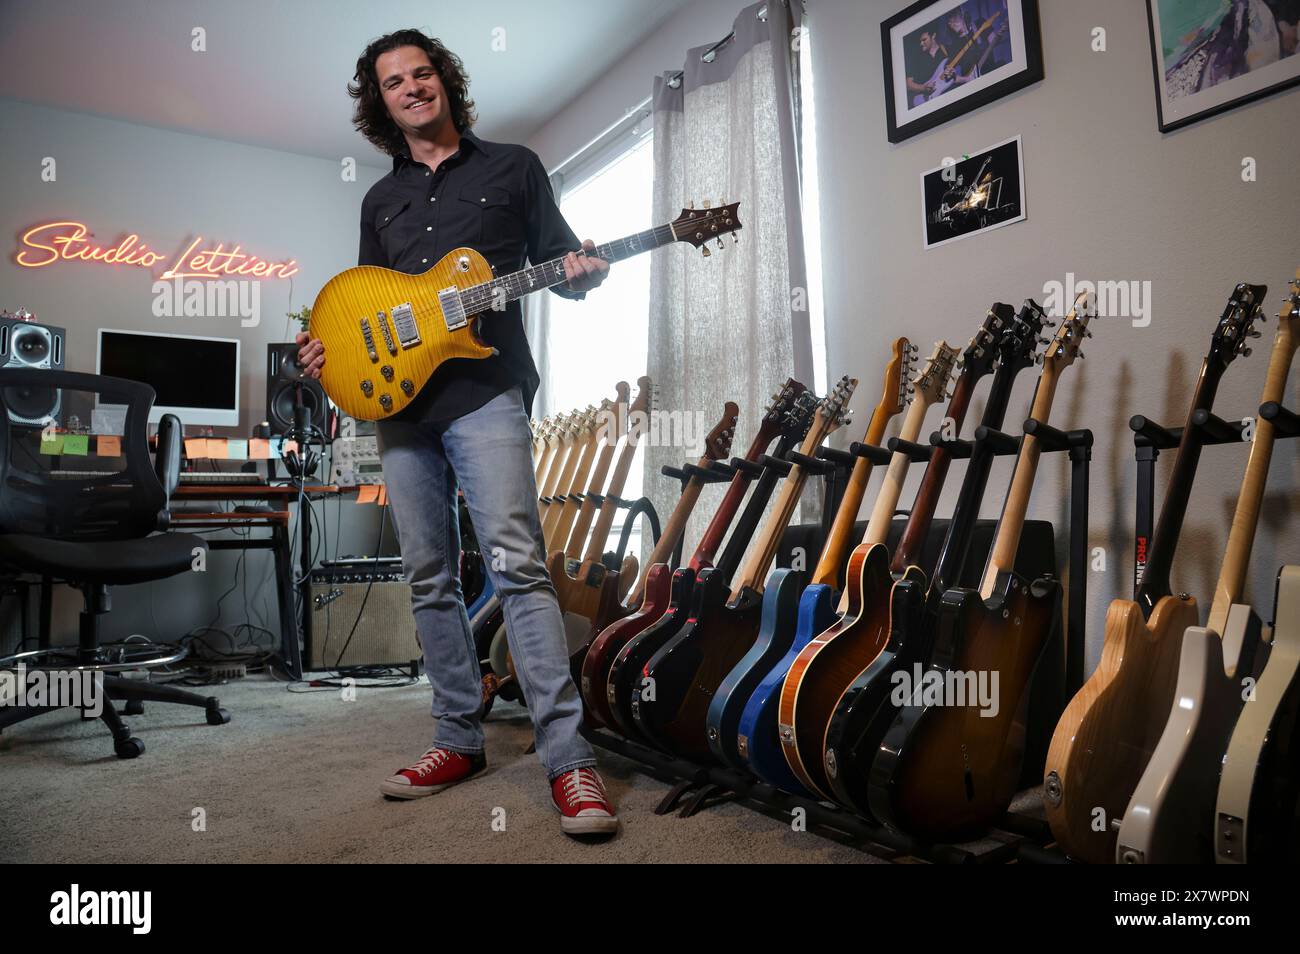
[1052, 790]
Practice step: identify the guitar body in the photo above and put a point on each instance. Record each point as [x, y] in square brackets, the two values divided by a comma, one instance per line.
[606, 646]
[778, 618]
[1170, 818]
[830, 662]
[1107, 733]
[863, 714]
[758, 742]
[1256, 818]
[624, 683]
[686, 672]
[418, 348]
[947, 772]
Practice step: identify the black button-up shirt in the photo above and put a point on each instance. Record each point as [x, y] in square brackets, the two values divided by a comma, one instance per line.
[496, 199]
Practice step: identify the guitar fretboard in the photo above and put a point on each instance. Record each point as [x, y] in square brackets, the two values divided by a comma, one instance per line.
[507, 288]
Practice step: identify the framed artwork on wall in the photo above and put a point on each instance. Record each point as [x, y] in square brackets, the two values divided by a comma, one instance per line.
[1209, 56]
[944, 58]
[976, 194]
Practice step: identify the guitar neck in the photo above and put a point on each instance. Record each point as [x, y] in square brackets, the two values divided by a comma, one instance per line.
[1003, 556]
[671, 532]
[882, 514]
[927, 495]
[956, 543]
[1155, 582]
[1236, 559]
[507, 288]
[581, 527]
[837, 542]
[738, 542]
[609, 506]
[717, 528]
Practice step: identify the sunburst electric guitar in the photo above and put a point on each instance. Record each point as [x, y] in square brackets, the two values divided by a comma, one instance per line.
[386, 332]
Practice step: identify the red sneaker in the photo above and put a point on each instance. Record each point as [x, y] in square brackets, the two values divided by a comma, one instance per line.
[584, 808]
[435, 770]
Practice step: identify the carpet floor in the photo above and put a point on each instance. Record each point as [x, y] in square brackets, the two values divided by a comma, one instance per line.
[294, 777]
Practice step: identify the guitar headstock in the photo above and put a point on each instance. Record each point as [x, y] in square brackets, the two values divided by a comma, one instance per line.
[699, 226]
[799, 419]
[1024, 333]
[1289, 316]
[717, 443]
[642, 407]
[898, 374]
[833, 410]
[778, 410]
[931, 385]
[1237, 323]
[1067, 341]
[981, 353]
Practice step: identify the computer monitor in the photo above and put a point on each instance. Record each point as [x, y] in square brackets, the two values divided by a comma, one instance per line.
[196, 378]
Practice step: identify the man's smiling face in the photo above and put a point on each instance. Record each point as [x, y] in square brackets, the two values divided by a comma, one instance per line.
[412, 90]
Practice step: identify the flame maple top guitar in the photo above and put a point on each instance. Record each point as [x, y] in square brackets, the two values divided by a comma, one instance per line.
[854, 724]
[685, 673]
[947, 768]
[778, 630]
[929, 389]
[1171, 817]
[1106, 734]
[656, 591]
[386, 332]
[626, 681]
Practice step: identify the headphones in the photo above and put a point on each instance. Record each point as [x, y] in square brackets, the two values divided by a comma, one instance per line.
[303, 432]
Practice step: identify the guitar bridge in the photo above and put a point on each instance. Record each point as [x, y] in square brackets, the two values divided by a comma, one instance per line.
[388, 335]
[404, 324]
[453, 309]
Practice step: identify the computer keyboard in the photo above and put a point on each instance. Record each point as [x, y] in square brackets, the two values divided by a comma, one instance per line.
[222, 477]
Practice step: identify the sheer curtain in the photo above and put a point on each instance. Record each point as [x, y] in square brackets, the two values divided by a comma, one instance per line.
[735, 325]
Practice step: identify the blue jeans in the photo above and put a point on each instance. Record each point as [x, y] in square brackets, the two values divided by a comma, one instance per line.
[489, 451]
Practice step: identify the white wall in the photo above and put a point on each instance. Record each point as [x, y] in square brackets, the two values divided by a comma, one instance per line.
[168, 187]
[1108, 197]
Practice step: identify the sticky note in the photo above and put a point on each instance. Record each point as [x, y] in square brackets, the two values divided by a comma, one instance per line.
[287, 446]
[367, 493]
[196, 447]
[217, 448]
[78, 444]
[52, 443]
[237, 450]
[259, 448]
[108, 446]
[383, 495]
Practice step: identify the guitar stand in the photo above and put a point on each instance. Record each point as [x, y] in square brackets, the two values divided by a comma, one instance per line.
[716, 473]
[1149, 439]
[1018, 836]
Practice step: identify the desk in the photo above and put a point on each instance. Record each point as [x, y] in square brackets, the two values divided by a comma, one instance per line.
[278, 523]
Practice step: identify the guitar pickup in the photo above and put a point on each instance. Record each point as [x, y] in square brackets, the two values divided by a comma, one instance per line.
[453, 309]
[408, 334]
[369, 337]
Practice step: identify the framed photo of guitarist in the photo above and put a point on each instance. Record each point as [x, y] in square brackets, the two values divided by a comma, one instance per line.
[944, 58]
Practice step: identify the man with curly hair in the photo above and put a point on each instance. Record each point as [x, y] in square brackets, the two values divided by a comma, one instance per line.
[469, 425]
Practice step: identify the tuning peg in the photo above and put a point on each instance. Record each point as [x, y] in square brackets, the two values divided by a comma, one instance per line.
[1245, 352]
[719, 241]
[705, 250]
[1049, 322]
[1254, 333]
[707, 204]
[735, 239]
[1081, 355]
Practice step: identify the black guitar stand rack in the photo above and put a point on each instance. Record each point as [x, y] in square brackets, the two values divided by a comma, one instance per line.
[1021, 835]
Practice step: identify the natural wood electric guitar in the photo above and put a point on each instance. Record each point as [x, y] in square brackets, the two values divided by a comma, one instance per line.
[387, 332]
[1170, 818]
[1107, 732]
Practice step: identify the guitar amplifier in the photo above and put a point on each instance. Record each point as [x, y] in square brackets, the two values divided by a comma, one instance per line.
[385, 634]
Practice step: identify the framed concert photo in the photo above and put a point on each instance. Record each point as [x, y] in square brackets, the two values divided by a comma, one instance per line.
[1209, 56]
[977, 193]
[944, 58]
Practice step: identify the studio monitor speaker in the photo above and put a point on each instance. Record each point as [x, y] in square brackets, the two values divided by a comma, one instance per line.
[25, 344]
[281, 378]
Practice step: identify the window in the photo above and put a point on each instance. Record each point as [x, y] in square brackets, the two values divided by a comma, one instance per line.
[596, 343]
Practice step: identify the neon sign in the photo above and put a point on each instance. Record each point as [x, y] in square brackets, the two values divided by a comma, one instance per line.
[52, 242]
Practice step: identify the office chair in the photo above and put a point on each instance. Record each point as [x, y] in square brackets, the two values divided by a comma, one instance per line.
[94, 531]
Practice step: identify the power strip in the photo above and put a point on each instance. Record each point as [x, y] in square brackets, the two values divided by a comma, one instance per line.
[225, 671]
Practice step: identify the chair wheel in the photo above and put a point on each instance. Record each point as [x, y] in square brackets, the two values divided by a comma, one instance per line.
[133, 707]
[129, 748]
[217, 716]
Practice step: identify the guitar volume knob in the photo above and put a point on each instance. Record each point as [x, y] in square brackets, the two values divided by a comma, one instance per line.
[385, 402]
[408, 387]
[387, 372]
[367, 387]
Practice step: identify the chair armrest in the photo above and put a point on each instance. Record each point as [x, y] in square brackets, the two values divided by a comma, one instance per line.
[167, 462]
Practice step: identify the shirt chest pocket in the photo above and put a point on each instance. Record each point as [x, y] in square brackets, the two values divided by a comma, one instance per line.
[391, 225]
[488, 213]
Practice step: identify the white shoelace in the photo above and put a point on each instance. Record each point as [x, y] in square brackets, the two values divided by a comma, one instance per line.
[429, 761]
[583, 785]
